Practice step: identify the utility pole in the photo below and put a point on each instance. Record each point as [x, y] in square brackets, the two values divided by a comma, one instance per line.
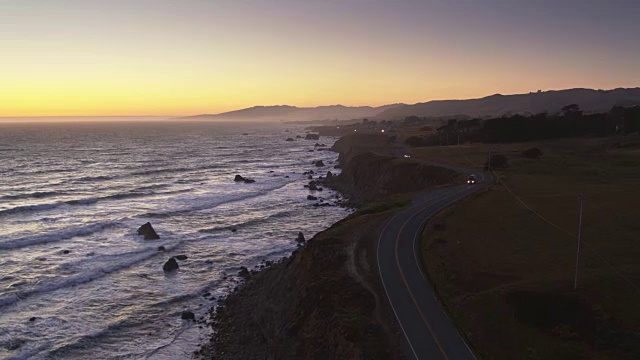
[575, 280]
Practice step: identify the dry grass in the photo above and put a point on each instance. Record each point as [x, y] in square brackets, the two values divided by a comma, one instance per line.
[507, 276]
[419, 130]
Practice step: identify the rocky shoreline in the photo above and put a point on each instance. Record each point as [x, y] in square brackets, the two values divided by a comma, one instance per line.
[325, 300]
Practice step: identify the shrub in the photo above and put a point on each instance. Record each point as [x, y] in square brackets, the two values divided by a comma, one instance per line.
[497, 162]
[532, 153]
[416, 141]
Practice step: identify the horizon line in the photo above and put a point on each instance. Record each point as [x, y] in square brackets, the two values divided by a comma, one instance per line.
[338, 104]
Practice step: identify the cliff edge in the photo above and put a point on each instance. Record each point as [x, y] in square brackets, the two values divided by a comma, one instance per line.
[326, 301]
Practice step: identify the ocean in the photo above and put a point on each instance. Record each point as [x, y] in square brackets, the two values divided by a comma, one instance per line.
[77, 282]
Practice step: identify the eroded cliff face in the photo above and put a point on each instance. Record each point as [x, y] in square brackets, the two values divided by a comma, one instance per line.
[320, 303]
[370, 169]
[326, 300]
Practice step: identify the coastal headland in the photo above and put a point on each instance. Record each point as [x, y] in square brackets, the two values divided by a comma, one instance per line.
[326, 300]
[500, 259]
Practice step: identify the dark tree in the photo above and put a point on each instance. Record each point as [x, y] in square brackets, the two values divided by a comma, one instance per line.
[411, 120]
[572, 109]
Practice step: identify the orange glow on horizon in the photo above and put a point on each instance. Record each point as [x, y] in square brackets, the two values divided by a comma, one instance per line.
[178, 59]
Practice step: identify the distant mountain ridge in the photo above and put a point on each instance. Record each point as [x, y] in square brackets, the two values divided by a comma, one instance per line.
[496, 105]
[551, 101]
[294, 113]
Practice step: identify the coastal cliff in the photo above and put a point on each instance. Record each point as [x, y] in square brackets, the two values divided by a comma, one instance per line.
[326, 301]
[371, 171]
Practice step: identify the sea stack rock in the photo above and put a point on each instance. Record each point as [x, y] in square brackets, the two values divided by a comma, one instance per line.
[238, 178]
[312, 137]
[310, 197]
[312, 185]
[170, 265]
[329, 175]
[319, 163]
[300, 238]
[148, 232]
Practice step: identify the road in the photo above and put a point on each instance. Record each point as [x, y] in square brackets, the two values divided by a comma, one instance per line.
[428, 331]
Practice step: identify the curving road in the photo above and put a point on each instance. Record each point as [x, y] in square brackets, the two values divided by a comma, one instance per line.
[428, 331]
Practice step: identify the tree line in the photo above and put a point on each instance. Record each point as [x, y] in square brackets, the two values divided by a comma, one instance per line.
[571, 122]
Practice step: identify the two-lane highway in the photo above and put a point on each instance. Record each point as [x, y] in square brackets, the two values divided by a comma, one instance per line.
[429, 332]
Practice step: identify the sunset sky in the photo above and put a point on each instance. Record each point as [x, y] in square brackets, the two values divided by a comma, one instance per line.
[166, 57]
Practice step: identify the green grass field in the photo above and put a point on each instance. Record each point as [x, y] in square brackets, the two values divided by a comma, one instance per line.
[506, 275]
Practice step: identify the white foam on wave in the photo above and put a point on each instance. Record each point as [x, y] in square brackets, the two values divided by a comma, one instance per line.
[97, 272]
[133, 194]
[263, 234]
[24, 208]
[56, 236]
[199, 202]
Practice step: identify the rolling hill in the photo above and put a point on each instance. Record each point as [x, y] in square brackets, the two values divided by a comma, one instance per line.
[293, 113]
[495, 105]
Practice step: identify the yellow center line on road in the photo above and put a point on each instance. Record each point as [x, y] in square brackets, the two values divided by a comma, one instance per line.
[435, 338]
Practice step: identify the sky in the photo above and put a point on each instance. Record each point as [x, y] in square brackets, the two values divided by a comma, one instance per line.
[173, 58]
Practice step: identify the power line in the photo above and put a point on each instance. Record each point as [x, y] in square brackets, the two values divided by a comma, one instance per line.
[594, 251]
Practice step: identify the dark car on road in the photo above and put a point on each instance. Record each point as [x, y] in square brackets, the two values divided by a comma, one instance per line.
[471, 180]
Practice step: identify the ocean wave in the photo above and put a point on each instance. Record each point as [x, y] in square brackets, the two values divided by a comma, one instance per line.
[256, 221]
[160, 171]
[93, 178]
[133, 194]
[30, 353]
[44, 171]
[203, 205]
[25, 208]
[55, 236]
[85, 341]
[32, 195]
[97, 272]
